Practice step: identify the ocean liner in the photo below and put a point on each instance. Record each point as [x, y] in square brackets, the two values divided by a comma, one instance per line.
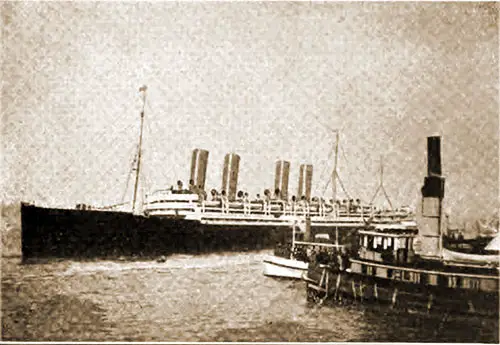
[187, 220]
[408, 266]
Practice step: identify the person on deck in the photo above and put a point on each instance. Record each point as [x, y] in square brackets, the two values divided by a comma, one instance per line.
[293, 204]
[214, 194]
[246, 204]
[179, 186]
[225, 202]
[202, 194]
[267, 201]
[240, 196]
[303, 204]
[192, 187]
[277, 194]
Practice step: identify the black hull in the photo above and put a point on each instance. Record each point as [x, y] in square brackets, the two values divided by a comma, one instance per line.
[66, 233]
[402, 295]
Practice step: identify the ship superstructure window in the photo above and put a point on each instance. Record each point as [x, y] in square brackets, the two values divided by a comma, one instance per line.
[454, 282]
[411, 276]
[371, 270]
[471, 283]
[433, 279]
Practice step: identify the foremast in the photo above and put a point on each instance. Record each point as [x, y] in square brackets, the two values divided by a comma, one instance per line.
[139, 149]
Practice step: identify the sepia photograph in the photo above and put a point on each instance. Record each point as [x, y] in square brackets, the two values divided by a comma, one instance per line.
[250, 171]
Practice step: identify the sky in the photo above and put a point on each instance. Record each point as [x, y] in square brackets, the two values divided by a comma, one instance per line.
[265, 80]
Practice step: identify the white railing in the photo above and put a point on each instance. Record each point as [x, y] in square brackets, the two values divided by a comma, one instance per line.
[189, 203]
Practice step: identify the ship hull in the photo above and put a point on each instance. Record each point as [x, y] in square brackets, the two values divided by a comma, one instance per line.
[68, 233]
[284, 268]
[336, 286]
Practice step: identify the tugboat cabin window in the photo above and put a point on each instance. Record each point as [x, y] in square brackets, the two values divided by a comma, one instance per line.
[381, 242]
[370, 242]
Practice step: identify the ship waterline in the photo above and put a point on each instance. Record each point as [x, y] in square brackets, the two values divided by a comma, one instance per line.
[50, 232]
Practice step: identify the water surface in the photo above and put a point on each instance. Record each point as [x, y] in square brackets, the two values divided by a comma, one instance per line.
[217, 297]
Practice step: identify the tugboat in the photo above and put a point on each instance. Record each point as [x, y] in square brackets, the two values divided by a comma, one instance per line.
[407, 266]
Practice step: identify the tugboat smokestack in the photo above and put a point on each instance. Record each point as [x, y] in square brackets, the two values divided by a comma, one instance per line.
[434, 156]
[430, 213]
[433, 182]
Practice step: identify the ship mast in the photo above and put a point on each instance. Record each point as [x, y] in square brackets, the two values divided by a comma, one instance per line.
[335, 173]
[381, 185]
[138, 169]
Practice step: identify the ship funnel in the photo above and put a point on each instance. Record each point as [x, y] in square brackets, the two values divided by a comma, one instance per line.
[434, 156]
[199, 163]
[230, 175]
[281, 178]
[305, 181]
[430, 213]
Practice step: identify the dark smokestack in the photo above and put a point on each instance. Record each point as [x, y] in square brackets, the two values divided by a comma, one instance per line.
[433, 182]
[230, 175]
[281, 178]
[433, 156]
[199, 163]
[305, 181]
[430, 215]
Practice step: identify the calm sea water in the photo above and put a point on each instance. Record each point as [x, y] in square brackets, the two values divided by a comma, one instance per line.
[219, 297]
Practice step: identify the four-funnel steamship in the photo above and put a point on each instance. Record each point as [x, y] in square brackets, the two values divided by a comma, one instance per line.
[189, 220]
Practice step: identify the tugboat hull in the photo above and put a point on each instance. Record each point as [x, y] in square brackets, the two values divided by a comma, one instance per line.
[325, 284]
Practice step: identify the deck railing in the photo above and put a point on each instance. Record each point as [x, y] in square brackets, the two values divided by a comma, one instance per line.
[277, 208]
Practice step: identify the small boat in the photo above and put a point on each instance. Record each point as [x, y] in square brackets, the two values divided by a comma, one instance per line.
[293, 261]
[274, 266]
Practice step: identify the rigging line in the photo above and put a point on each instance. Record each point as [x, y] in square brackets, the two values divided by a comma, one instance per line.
[376, 193]
[147, 184]
[342, 186]
[324, 170]
[128, 177]
[326, 186]
[328, 180]
[387, 197]
[347, 162]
